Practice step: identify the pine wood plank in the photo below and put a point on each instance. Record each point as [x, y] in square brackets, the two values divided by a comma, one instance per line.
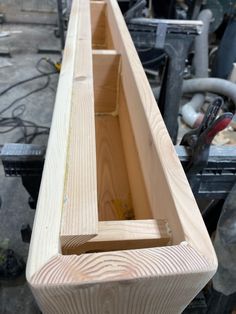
[138, 190]
[114, 197]
[80, 211]
[123, 235]
[98, 10]
[168, 190]
[44, 239]
[101, 33]
[106, 76]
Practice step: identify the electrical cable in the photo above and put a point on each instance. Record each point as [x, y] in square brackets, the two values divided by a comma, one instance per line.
[154, 60]
[49, 62]
[9, 124]
[24, 81]
[144, 49]
[25, 96]
[42, 74]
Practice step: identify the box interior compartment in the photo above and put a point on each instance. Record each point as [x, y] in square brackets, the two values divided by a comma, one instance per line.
[125, 220]
[101, 33]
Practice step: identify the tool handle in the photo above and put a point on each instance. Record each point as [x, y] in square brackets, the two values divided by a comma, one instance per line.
[220, 124]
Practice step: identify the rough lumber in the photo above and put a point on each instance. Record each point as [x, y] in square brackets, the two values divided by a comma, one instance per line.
[109, 154]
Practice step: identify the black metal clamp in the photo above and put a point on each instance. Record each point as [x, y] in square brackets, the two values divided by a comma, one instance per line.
[25, 161]
[200, 139]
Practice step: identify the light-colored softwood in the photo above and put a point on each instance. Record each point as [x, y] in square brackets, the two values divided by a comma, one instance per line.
[123, 235]
[106, 65]
[134, 156]
[168, 190]
[101, 33]
[137, 186]
[114, 197]
[45, 240]
[148, 281]
[98, 11]
[80, 212]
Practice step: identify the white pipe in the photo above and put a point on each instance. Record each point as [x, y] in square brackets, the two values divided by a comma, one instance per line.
[190, 113]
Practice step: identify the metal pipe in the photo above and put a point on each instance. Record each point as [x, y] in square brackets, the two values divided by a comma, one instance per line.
[190, 111]
[213, 85]
[201, 63]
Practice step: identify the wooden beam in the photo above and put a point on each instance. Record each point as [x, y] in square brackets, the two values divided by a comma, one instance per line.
[168, 191]
[45, 242]
[147, 281]
[123, 235]
[132, 280]
[80, 211]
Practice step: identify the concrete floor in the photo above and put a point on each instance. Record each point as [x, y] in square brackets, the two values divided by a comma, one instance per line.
[15, 296]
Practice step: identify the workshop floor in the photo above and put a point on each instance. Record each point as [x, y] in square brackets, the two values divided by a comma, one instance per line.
[22, 42]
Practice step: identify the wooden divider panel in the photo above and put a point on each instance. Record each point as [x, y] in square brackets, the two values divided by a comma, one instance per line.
[106, 66]
[123, 235]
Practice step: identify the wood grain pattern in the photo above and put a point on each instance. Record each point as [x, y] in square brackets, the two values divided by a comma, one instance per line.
[114, 198]
[137, 187]
[80, 212]
[168, 191]
[45, 240]
[101, 33]
[109, 37]
[106, 76]
[98, 25]
[141, 281]
[152, 281]
[122, 235]
[155, 149]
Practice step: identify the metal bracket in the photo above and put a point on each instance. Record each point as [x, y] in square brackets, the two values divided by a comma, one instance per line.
[161, 35]
[25, 161]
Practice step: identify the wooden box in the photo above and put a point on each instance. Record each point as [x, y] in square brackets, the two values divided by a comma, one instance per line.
[117, 229]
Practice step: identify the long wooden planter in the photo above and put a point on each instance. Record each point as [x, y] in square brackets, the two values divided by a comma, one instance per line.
[117, 229]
